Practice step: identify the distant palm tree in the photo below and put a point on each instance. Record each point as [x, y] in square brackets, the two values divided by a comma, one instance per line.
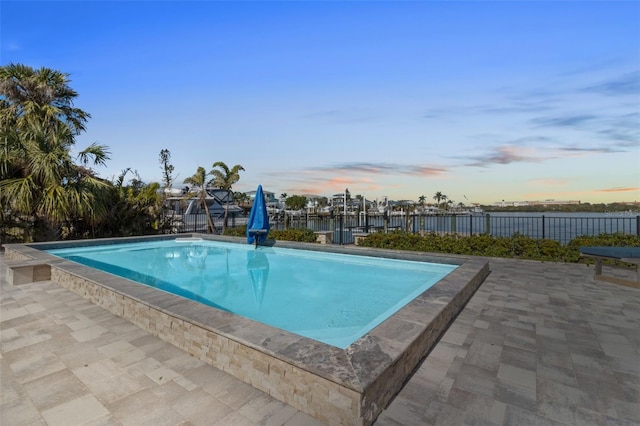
[224, 178]
[199, 179]
[422, 200]
[283, 196]
[438, 198]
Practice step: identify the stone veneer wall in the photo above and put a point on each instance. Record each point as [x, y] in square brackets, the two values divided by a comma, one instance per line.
[12, 255]
[315, 395]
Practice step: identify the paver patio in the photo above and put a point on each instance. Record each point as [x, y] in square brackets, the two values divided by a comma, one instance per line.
[539, 343]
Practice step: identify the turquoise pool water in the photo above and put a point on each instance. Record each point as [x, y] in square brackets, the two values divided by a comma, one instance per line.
[332, 298]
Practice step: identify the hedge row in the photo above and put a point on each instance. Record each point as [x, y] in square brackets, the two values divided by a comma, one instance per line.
[517, 246]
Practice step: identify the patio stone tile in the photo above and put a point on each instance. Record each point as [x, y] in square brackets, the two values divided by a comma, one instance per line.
[518, 416]
[198, 403]
[484, 355]
[89, 333]
[476, 379]
[144, 408]
[557, 374]
[116, 348]
[28, 369]
[79, 355]
[235, 419]
[517, 375]
[302, 419]
[576, 338]
[238, 395]
[76, 411]
[515, 395]
[162, 375]
[19, 412]
[55, 389]
[450, 416]
[10, 389]
[116, 387]
[518, 358]
[127, 358]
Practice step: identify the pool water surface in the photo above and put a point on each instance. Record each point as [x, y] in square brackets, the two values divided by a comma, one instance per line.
[329, 297]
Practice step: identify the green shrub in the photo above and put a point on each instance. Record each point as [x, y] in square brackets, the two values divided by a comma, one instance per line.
[300, 235]
[236, 231]
[517, 246]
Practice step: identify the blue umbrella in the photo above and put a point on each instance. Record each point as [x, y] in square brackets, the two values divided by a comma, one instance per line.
[258, 225]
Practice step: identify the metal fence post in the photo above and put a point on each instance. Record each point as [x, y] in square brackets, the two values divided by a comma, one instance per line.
[470, 224]
[543, 227]
[487, 224]
[453, 224]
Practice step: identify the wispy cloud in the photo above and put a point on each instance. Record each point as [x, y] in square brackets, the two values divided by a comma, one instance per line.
[592, 150]
[385, 168]
[507, 154]
[565, 121]
[624, 85]
[618, 189]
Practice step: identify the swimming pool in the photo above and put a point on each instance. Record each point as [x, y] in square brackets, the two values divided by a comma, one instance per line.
[337, 386]
[333, 298]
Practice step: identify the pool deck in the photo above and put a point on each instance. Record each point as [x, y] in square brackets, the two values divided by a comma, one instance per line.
[538, 343]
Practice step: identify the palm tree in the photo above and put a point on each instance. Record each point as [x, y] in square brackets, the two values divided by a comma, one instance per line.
[224, 178]
[199, 179]
[438, 198]
[39, 180]
[167, 168]
[422, 199]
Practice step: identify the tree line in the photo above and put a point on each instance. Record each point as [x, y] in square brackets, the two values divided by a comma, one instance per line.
[48, 194]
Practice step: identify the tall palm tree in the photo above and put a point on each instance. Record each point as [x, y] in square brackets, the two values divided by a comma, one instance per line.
[39, 179]
[199, 179]
[224, 178]
[438, 198]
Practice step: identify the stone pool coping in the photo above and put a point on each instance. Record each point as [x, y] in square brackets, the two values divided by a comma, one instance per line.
[350, 386]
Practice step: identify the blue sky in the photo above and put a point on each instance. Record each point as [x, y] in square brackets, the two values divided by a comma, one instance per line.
[482, 101]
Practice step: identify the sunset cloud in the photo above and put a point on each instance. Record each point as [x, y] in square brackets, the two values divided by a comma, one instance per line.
[628, 189]
[506, 155]
[385, 168]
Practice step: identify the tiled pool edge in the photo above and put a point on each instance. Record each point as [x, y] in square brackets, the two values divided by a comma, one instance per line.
[346, 387]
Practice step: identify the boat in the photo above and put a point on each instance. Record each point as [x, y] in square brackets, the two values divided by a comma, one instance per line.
[188, 214]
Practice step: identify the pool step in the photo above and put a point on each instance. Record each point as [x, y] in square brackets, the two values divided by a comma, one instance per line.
[27, 271]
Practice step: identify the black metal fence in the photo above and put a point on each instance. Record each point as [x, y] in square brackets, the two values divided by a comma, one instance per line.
[562, 228]
[559, 228]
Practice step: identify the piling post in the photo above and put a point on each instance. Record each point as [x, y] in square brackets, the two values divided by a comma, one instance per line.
[487, 224]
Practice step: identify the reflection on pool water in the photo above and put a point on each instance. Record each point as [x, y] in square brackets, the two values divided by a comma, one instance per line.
[329, 297]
